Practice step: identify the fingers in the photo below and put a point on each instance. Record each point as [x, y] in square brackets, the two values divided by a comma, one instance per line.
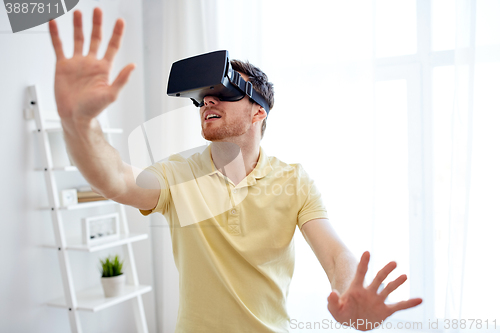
[114, 42]
[381, 275]
[333, 302]
[56, 41]
[122, 78]
[77, 32]
[391, 286]
[96, 32]
[404, 305]
[362, 269]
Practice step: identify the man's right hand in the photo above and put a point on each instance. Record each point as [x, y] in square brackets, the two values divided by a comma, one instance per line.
[81, 86]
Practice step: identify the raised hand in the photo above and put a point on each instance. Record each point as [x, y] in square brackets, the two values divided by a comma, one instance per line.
[81, 86]
[366, 304]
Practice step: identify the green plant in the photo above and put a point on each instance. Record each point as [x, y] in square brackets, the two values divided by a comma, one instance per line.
[111, 266]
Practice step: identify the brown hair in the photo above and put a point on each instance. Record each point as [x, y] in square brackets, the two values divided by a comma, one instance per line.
[259, 82]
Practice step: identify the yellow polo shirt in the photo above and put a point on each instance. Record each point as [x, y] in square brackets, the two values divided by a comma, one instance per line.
[233, 244]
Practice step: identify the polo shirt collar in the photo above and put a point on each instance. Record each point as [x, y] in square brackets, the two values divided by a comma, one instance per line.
[263, 166]
[262, 169]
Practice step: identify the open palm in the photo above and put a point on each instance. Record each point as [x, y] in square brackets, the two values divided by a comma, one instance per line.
[365, 308]
[81, 85]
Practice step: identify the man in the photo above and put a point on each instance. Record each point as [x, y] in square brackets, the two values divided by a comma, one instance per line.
[236, 264]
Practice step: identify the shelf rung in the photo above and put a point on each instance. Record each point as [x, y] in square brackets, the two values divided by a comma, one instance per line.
[106, 130]
[93, 299]
[61, 168]
[84, 205]
[76, 243]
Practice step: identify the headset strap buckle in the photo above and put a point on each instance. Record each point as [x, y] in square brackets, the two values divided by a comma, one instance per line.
[249, 89]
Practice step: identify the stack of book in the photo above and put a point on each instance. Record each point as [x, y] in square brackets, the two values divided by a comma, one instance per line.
[85, 194]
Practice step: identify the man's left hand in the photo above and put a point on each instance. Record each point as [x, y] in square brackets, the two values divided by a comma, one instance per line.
[366, 304]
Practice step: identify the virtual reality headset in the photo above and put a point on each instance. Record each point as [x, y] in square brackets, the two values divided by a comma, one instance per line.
[210, 74]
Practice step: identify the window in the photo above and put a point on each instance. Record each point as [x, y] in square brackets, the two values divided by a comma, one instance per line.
[364, 100]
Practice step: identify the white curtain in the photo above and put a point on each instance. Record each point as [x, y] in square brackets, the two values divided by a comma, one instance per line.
[473, 198]
[461, 153]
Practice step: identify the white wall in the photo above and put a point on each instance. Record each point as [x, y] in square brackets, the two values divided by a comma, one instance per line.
[30, 274]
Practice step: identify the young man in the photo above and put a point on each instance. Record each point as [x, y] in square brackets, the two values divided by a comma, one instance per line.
[232, 210]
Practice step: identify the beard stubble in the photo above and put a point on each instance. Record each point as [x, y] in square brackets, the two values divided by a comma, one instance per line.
[236, 128]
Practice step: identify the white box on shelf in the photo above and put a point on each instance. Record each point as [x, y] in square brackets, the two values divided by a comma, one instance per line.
[101, 227]
[69, 197]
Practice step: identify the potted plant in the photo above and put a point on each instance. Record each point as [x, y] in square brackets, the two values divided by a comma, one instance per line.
[112, 277]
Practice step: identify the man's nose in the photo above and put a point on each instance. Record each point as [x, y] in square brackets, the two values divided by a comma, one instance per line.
[210, 100]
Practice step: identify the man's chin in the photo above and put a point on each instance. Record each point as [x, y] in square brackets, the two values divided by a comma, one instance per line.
[211, 136]
[214, 138]
[221, 134]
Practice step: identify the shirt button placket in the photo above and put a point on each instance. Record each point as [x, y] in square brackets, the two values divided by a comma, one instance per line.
[233, 224]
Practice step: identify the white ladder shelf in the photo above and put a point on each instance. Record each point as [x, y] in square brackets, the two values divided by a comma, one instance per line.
[93, 299]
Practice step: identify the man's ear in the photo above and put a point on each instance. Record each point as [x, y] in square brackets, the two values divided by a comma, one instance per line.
[259, 114]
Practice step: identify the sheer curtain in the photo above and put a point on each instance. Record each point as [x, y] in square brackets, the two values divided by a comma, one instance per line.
[474, 181]
[461, 154]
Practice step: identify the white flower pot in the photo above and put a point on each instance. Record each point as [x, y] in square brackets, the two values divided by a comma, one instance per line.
[113, 286]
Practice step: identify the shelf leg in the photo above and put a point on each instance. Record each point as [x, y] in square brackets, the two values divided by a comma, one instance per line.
[74, 321]
[140, 316]
[57, 221]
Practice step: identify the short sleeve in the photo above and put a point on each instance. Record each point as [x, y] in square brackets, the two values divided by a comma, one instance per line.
[159, 171]
[313, 207]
